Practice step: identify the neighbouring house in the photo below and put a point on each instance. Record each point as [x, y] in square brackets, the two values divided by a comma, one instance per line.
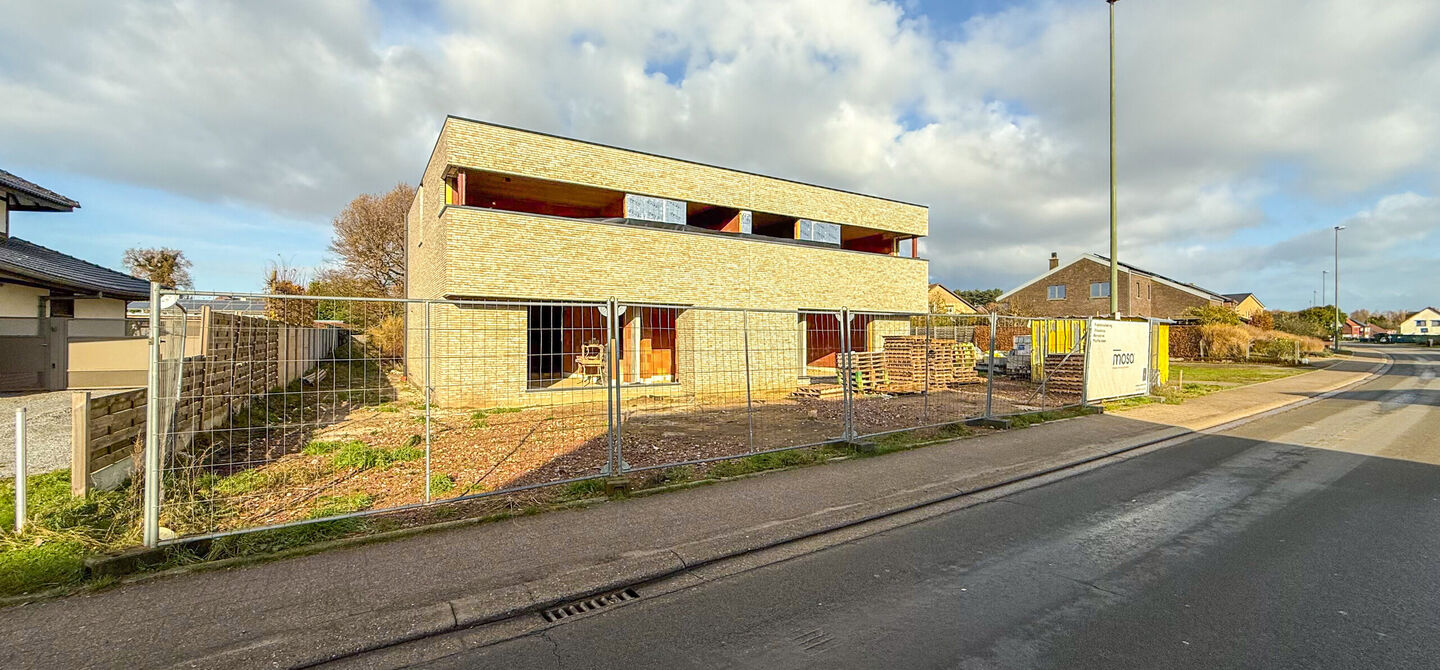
[944, 300]
[1081, 288]
[54, 308]
[548, 226]
[1423, 322]
[1354, 330]
[1246, 304]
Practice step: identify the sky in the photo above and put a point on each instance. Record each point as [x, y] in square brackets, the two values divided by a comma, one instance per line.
[235, 131]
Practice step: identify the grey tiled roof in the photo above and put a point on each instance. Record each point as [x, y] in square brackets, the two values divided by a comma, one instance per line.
[1139, 271]
[195, 304]
[48, 266]
[34, 190]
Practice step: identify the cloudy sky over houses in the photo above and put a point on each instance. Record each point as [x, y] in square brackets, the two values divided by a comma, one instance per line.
[235, 131]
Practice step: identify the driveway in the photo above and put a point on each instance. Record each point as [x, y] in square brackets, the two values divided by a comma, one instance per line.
[48, 418]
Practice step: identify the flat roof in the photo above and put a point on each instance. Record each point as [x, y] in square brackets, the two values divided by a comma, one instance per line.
[682, 160]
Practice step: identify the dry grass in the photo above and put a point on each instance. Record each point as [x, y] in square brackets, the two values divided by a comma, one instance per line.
[1237, 342]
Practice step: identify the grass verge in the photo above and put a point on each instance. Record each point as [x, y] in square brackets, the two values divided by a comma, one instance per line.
[44, 557]
[1232, 373]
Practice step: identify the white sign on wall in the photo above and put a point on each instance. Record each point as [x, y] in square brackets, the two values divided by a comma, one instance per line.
[1117, 359]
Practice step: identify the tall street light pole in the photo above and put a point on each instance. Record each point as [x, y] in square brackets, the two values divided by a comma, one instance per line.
[1337, 286]
[1114, 245]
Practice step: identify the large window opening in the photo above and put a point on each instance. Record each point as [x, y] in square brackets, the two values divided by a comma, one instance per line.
[534, 196]
[567, 346]
[723, 219]
[823, 341]
[649, 356]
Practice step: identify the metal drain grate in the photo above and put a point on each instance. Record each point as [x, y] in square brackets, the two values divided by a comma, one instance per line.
[588, 605]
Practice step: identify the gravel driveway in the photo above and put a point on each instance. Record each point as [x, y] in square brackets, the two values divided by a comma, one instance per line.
[48, 416]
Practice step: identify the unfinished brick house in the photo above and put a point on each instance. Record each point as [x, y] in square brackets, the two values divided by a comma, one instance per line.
[503, 214]
[1082, 288]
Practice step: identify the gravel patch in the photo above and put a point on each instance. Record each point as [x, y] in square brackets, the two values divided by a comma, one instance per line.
[48, 443]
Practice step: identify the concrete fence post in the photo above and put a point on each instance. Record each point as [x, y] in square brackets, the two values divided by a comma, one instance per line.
[21, 470]
[79, 443]
[151, 525]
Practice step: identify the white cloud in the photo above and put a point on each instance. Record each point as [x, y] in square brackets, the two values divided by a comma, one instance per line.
[295, 107]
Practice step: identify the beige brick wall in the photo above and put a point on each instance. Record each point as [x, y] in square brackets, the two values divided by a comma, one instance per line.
[483, 146]
[479, 358]
[506, 254]
[478, 355]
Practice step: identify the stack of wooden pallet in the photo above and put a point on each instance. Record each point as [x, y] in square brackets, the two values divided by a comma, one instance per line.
[914, 360]
[965, 358]
[866, 369]
[1064, 374]
[819, 391]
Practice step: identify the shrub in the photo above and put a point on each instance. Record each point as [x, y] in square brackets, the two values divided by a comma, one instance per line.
[388, 337]
[1224, 340]
[1276, 347]
[1213, 314]
[1263, 320]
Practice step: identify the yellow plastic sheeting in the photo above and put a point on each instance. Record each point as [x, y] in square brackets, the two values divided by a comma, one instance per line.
[1053, 336]
[1160, 351]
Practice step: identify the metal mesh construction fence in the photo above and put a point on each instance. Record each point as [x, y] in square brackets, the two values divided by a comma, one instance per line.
[325, 407]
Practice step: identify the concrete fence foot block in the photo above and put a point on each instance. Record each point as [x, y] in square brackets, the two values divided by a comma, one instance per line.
[1001, 423]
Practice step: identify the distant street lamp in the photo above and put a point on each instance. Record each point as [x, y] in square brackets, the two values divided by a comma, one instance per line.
[1337, 287]
[1114, 245]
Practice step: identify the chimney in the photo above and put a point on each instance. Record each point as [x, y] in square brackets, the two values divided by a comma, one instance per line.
[1054, 260]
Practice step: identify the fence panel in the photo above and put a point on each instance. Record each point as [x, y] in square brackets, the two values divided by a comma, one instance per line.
[323, 407]
[683, 384]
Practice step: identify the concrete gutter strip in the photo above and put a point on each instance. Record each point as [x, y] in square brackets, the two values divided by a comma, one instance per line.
[988, 467]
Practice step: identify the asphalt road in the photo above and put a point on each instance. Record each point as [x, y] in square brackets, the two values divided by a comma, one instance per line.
[1307, 539]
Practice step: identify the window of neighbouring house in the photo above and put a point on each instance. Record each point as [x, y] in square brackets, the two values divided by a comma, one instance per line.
[1435, 322]
[1055, 292]
[1099, 289]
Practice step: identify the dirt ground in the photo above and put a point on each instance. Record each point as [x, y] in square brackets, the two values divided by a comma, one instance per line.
[489, 450]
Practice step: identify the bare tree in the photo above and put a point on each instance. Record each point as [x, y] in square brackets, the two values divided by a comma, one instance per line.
[370, 241]
[167, 266]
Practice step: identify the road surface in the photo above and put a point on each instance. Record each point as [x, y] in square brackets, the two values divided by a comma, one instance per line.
[1307, 539]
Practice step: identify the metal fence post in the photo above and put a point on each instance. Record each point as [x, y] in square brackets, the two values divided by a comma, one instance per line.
[847, 393]
[990, 369]
[612, 389]
[151, 531]
[429, 384]
[21, 469]
[749, 409]
[1085, 363]
[925, 399]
